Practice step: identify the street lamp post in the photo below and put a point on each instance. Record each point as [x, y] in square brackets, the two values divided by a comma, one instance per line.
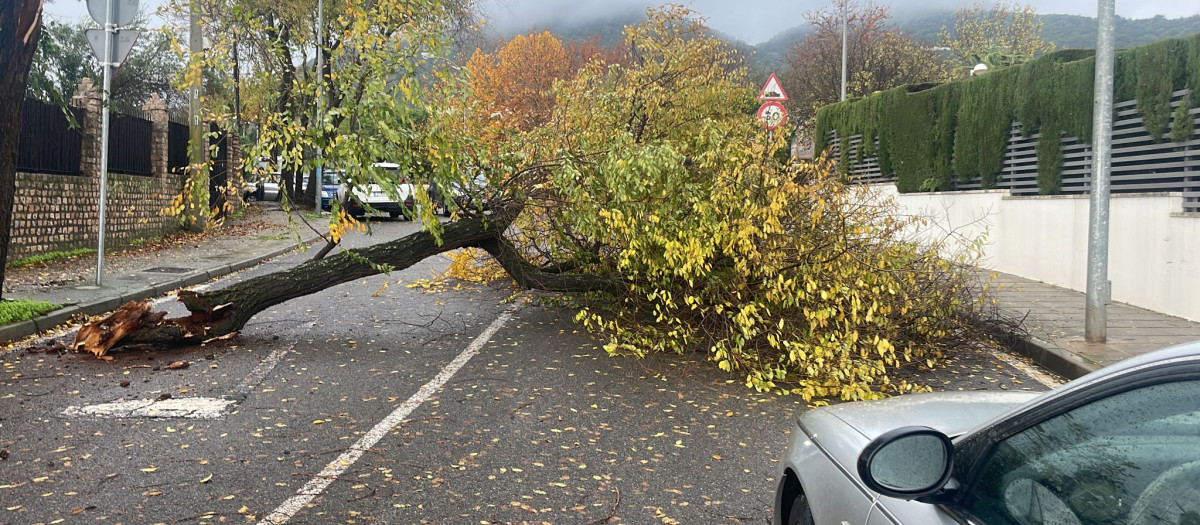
[320, 101]
[1096, 317]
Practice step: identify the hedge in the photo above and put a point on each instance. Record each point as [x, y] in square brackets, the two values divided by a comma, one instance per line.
[932, 135]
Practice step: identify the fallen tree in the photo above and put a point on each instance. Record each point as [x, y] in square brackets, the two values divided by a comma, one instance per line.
[651, 189]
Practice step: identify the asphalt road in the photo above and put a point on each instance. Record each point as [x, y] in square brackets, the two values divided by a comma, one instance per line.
[376, 402]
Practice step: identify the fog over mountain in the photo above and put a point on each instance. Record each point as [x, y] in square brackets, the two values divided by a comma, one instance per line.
[755, 21]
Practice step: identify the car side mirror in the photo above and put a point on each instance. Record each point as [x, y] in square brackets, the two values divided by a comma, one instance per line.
[907, 463]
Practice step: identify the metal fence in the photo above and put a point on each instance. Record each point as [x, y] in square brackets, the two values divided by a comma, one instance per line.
[48, 142]
[130, 140]
[178, 136]
[1139, 164]
[219, 175]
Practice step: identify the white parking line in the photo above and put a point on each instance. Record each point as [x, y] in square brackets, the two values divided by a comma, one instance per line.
[335, 468]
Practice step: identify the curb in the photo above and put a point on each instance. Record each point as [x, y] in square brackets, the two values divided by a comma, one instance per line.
[1048, 355]
[16, 331]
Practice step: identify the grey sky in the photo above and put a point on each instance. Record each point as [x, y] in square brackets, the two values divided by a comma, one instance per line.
[756, 20]
[750, 20]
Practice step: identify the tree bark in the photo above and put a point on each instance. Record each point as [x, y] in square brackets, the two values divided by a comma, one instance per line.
[222, 312]
[20, 28]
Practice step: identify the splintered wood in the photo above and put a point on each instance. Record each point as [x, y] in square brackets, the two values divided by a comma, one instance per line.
[98, 337]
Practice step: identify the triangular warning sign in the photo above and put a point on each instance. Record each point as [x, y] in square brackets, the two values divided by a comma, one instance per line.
[772, 90]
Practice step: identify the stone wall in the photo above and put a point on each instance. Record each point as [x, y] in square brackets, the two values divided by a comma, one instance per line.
[61, 212]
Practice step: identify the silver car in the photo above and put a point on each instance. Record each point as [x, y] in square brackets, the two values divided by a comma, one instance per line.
[1119, 446]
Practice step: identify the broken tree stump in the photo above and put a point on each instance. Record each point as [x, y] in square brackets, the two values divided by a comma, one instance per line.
[98, 337]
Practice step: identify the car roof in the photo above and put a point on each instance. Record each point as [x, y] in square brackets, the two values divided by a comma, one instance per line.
[385, 165]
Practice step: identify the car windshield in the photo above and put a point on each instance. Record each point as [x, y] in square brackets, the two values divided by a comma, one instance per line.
[330, 178]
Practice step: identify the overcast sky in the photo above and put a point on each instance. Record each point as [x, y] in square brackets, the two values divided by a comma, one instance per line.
[750, 20]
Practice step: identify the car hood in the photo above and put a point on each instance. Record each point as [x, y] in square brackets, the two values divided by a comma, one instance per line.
[952, 413]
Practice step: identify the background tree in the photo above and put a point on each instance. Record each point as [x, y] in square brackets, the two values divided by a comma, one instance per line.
[20, 28]
[1004, 35]
[278, 44]
[879, 57]
[513, 85]
[64, 58]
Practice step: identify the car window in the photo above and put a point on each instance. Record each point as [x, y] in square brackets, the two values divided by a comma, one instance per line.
[1128, 459]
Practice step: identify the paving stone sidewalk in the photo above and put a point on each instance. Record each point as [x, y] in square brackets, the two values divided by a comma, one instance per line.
[1053, 321]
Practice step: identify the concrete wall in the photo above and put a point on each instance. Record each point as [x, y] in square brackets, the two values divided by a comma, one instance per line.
[1154, 251]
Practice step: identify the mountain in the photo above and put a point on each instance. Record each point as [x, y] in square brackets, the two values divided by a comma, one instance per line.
[1066, 31]
[1072, 31]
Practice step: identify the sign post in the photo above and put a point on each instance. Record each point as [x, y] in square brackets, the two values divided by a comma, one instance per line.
[111, 46]
[772, 113]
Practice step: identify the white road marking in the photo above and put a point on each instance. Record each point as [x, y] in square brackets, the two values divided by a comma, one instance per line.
[1045, 379]
[335, 468]
[259, 373]
[184, 407]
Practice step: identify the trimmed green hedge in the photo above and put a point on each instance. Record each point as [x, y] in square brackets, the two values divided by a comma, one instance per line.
[921, 128]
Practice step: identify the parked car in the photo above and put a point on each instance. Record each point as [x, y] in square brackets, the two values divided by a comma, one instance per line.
[331, 181]
[396, 202]
[472, 196]
[1118, 446]
[263, 189]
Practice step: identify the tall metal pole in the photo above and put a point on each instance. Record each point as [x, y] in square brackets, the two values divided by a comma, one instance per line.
[320, 100]
[237, 87]
[843, 50]
[1096, 323]
[110, 35]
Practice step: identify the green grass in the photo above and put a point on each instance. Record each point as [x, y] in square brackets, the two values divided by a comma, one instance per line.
[51, 256]
[276, 237]
[23, 310]
[311, 215]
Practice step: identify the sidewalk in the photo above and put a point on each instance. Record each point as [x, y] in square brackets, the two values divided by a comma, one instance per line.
[1054, 321]
[139, 274]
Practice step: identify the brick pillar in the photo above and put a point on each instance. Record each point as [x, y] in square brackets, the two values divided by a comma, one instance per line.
[87, 96]
[155, 110]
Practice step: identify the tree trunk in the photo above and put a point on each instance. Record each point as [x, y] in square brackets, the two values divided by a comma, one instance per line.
[222, 312]
[20, 27]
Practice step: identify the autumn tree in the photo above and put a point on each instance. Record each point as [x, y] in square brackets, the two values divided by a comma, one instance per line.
[879, 57]
[364, 69]
[64, 58]
[20, 28]
[513, 85]
[1006, 34]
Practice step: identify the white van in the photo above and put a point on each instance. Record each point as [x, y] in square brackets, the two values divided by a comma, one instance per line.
[396, 204]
